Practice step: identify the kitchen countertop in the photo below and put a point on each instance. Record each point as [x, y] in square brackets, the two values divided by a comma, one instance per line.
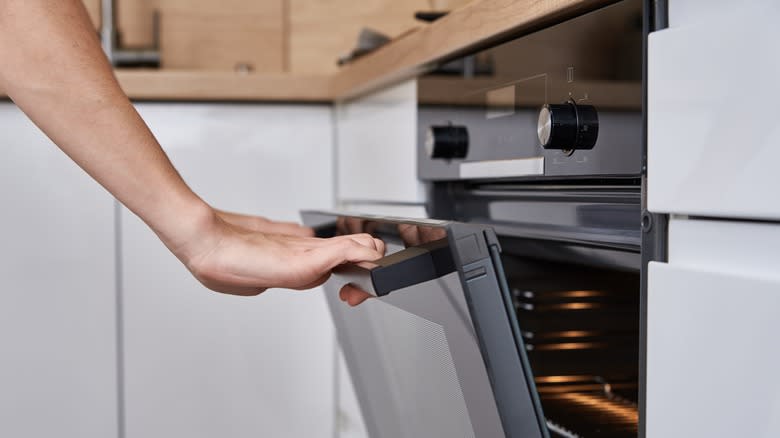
[477, 23]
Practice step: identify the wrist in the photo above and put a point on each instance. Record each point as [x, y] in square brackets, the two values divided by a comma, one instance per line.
[186, 226]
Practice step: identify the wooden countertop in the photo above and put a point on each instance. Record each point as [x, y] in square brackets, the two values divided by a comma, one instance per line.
[475, 24]
[228, 86]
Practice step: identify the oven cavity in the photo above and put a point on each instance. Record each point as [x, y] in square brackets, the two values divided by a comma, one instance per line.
[581, 333]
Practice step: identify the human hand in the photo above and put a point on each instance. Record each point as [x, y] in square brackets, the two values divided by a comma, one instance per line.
[263, 225]
[411, 235]
[233, 259]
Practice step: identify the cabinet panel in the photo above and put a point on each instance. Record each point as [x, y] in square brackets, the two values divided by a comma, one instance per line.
[202, 364]
[749, 249]
[377, 147]
[712, 355]
[58, 297]
[222, 36]
[712, 130]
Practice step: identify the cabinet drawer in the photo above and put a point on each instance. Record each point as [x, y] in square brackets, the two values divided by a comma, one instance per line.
[712, 355]
[713, 138]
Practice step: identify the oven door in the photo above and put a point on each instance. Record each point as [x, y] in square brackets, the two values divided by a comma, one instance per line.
[438, 352]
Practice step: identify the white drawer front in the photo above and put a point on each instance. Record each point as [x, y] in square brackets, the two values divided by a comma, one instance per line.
[713, 355]
[713, 135]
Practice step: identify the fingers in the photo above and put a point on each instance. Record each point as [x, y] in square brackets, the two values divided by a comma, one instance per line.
[337, 252]
[362, 239]
[380, 246]
[352, 295]
[409, 234]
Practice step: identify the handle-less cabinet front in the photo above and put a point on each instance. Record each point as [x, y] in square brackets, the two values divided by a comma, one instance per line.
[440, 355]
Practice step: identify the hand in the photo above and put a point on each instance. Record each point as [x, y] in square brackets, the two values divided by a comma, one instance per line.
[411, 235]
[353, 296]
[235, 260]
[263, 225]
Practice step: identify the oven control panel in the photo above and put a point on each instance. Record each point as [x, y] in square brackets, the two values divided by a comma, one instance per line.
[563, 101]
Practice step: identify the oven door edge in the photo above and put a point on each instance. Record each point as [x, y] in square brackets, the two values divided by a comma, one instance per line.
[477, 254]
[482, 275]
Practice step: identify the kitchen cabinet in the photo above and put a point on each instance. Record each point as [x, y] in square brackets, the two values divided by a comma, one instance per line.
[711, 313]
[203, 364]
[712, 323]
[712, 356]
[712, 129]
[377, 147]
[58, 364]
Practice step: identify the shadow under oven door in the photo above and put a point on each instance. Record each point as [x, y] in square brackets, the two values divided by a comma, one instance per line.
[438, 353]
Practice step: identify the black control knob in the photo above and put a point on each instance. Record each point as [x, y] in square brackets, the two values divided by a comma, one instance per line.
[447, 142]
[568, 126]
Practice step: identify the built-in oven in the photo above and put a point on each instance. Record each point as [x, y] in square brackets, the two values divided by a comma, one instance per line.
[476, 335]
[518, 312]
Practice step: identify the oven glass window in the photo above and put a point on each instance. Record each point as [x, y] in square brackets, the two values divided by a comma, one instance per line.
[413, 355]
[580, 326]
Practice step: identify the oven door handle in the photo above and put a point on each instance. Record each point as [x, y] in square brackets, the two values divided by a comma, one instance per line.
[408, 267]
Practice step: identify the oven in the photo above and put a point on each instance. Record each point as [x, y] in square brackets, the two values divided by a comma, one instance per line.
[518, 311]
[476, 334]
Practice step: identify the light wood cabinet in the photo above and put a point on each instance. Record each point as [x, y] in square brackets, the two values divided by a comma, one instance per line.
[228, 35]
[298, 36]
[321, 31]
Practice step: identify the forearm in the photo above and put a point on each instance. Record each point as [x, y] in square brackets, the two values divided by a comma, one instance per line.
[52, 66]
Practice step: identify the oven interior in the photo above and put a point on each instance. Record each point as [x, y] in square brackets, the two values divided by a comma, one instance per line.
[581, 332]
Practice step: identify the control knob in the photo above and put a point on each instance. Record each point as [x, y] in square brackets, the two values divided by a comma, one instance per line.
[568, 126]
[447, 142]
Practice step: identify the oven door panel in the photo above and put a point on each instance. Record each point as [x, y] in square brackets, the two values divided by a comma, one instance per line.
[442, 357]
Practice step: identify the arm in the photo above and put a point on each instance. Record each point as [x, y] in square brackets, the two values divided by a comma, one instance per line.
[54, 69]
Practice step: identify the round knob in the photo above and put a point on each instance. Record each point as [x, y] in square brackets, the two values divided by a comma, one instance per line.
[568, 126]
[447, 142]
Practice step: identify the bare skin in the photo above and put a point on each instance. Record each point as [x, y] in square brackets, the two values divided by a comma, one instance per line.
[54, 69]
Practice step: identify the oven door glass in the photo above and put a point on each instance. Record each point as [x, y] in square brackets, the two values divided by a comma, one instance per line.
[437, 353]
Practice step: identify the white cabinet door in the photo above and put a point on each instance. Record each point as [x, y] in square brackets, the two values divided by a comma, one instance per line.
[58, 296]
[202, 364]
[377, 147]
[712, 354]
[713, 136]
[712, 350]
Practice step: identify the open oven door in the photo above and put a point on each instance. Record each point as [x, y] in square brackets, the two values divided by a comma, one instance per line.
[438, 353]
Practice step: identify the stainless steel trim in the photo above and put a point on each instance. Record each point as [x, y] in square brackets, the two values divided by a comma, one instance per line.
[502, 168]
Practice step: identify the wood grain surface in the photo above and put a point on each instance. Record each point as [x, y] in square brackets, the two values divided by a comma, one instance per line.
[475, 24]
[224, 86]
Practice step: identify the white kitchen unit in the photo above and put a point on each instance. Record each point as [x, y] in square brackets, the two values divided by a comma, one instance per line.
[713, 132]
[58, 363]
[712, 332]
[713, 140]
[376, 136]
[202, 364]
